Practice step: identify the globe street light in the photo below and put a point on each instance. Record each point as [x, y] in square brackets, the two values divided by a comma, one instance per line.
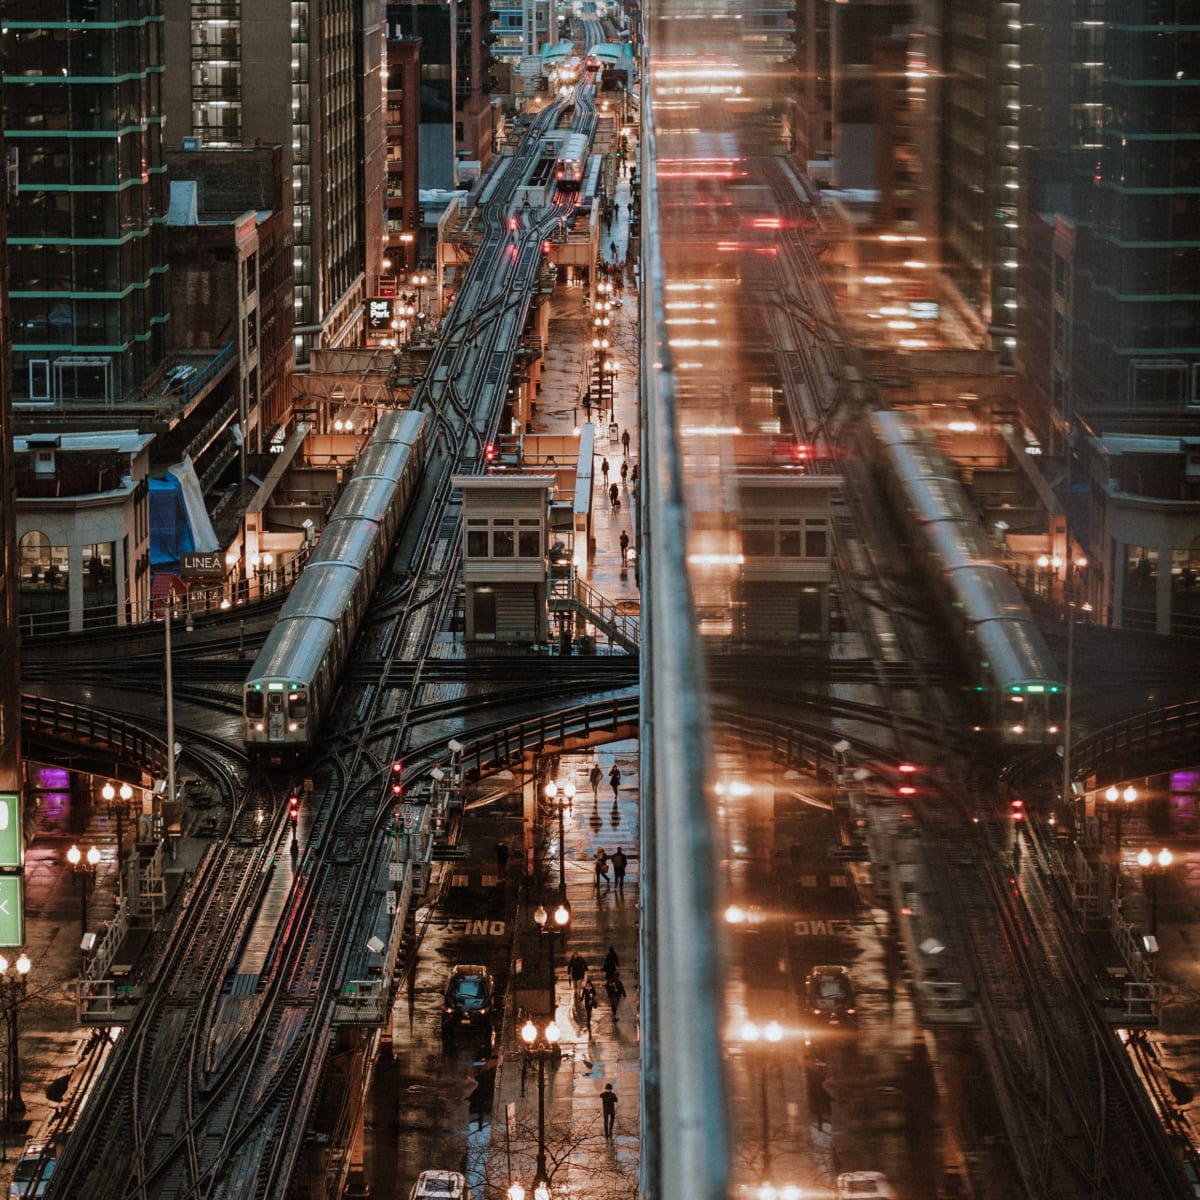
[1119, 801]
[752, 1034]
[84, 865]
[1153, 865]
[12, 996]
[541, 1043]
[552, 930]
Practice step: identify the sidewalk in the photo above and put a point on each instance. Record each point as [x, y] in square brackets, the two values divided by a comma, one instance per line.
[579, 1158]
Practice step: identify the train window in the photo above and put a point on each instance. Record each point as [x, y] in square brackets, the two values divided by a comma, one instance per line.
[297, 705]
[254, 704]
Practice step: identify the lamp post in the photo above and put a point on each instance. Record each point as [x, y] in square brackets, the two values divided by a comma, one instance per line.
[568, 800]
[541, 1043]
[119, 811]
[551, 930]
[12, 996]
[84, 865]
[1119, 801]
[753, 1034]
[1153, 865]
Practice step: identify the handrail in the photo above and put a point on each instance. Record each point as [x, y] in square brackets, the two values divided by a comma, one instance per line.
[1108, 753]
[125, 738]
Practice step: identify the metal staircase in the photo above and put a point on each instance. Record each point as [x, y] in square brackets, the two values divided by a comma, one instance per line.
[568, 593]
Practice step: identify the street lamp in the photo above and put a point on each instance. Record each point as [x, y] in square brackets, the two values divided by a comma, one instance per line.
[752, 1034]
[1119, 801]
[567, 800]
[84, 865]
[1153, 865]
[541, 1043]
[12, 996]
[552, 929]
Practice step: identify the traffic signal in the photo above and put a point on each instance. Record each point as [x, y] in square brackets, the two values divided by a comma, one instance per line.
[293, 808]
[513, 224]
[545, 245]
[397, 786]
[1016, 809]
[489, 453]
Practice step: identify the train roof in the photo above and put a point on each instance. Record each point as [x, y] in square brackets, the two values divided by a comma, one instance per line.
[293, 652]
[575, 145]
[957, 543]
[324, 589]
[384, 459]
[986, 591]
[1018, 656]
[891, 427]
[367, 498]
[936, 498]
[398, 425]
[345, 540]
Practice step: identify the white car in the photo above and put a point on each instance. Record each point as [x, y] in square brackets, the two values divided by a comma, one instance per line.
[864, 1185]
[439, 1185]
[33, 1172]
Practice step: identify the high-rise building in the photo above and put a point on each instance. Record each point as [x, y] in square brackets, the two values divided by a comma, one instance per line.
[308, 76]
[87, 264]
[10, 637]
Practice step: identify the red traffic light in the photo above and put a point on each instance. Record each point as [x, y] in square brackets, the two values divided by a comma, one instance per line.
[489, 453]
[1016, 809]
[546, 246]
[397, 786]
[293, 807]
[513, 224]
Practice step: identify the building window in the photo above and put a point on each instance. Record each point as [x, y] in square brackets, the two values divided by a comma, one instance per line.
[529, 538]
[44, 583]
[504, 537]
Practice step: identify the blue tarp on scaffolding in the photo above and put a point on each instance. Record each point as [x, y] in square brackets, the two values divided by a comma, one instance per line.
[179, 521]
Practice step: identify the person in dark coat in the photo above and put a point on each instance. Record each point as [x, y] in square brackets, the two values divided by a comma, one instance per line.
[608, 1098]
[616, 993]
[595, 777]
[619, 863]
[624, 543]
[614, 777]
[577, 969]
[614, 495]
[612, 963]
[588, 1000]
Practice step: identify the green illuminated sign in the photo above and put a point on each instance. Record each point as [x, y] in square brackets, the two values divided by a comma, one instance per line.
[12, 910]
[10, 830]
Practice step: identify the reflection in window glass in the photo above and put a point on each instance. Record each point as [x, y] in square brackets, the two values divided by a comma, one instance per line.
[503, 543]
[530, 543]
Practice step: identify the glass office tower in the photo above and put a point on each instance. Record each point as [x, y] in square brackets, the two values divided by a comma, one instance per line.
[87, 263]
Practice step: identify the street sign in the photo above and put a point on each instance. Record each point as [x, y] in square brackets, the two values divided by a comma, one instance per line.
[11, 842]
[12, 910]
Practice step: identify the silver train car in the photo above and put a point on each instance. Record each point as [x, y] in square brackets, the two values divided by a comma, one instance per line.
[288, 691]
[1017, 682]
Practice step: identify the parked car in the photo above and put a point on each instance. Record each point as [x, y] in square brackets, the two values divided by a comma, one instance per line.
[830, 995]
[468, 1000]
[439, 1185]
[33, 1172]
[864, 1185]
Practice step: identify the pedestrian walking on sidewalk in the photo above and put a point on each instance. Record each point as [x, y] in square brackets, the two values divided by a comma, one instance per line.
[613, 248]
[625, 442]
[623, 540]
[616, 993]
[614, 496]
[595, 778]
[502, 860]
[577, 969]
[633, 475]
[601, 868]
[604, 471]
[588, 1001]
[608, 1098]
[619, 863]
[612, 963]
[614, 777]
[624, 472]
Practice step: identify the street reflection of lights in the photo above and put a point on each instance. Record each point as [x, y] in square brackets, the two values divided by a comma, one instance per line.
[913, 343]
[735, 914]
[902, 324]
[735, 787]
[879, 279]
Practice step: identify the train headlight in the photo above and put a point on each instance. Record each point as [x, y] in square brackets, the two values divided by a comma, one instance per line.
[1018, 730]
[1053, 728]
[258, 728]
[293, 726]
